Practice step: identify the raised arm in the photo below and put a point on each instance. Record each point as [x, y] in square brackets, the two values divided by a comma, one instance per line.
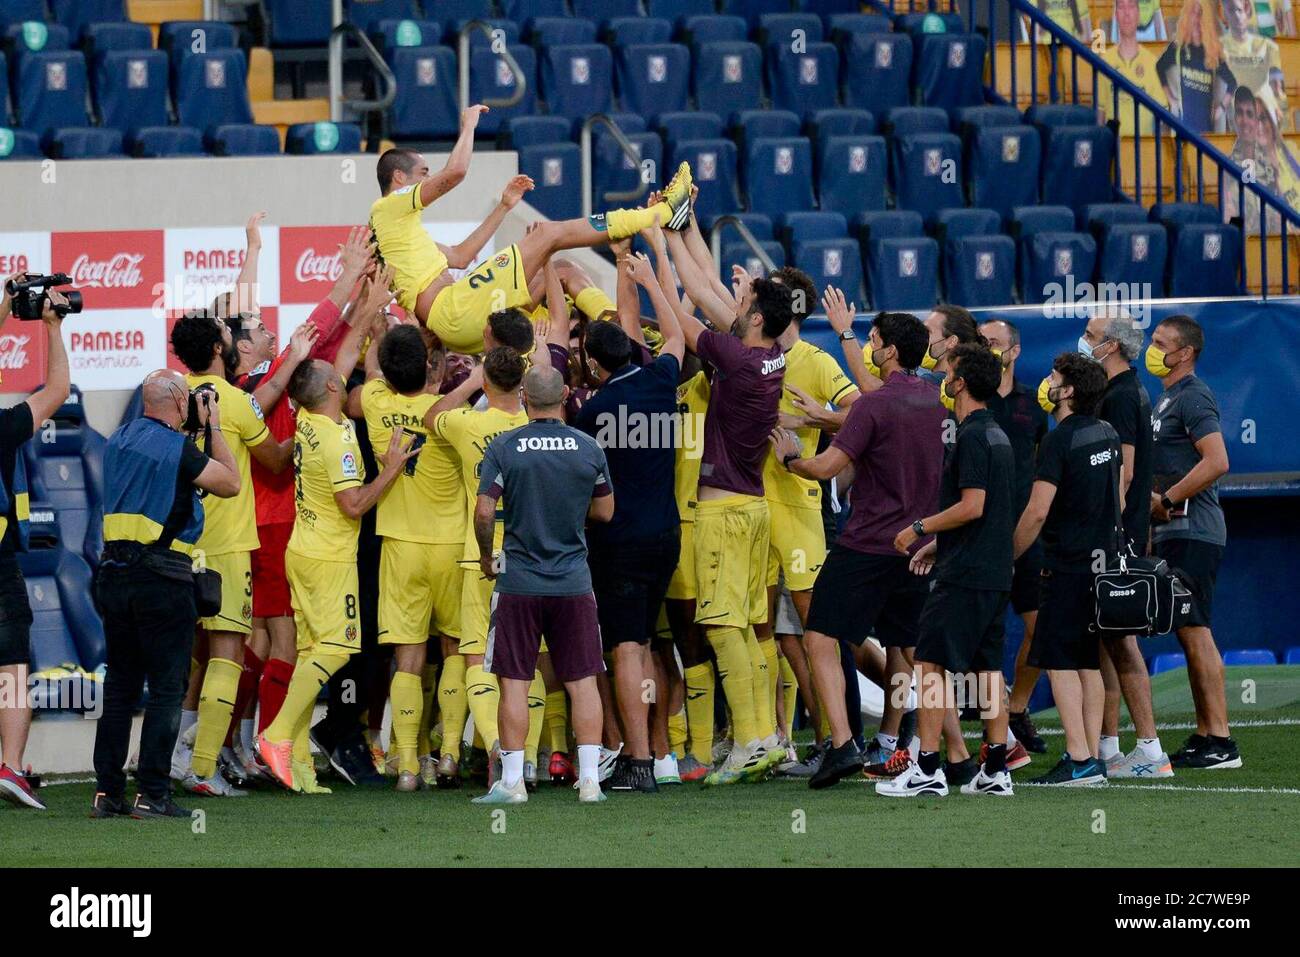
[455, 398]
[355, 502]
[220, 476]
[674, 344]
[246, 281]
[698, 287]
[840, 315]
[451, 175]
[271, 388]
[625, 296]
[375, 295]
[463, 253]
[45, 401]
[702, 256]
[354, 258]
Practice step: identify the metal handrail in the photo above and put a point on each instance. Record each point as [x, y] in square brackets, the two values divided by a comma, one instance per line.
[748, 237]
[629, 150]
[521, 81]
[340, 31]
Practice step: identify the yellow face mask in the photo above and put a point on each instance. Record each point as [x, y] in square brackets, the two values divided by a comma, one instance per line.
[872, 368]
[948, 401]
[1155, 362]
[928, 361]
[1045, 395]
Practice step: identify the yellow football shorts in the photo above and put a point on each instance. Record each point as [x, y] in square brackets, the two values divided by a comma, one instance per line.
[236, 571]
[732, 538]
[419, 591]
[475, 610]
[325, 609]
[682, 585]
[798, 546]
[461, 311]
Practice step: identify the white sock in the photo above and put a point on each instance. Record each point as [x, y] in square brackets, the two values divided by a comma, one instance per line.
[512, 767]
[589, 762]
[247, 730]
[1011, 739]
[888, 742]
[188, 720]
[1109, 747]
[1150, 748]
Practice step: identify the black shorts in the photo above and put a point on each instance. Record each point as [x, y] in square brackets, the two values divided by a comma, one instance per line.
[1024, 580]
[15, 614]
[630, 582]
[857, 592]
[962, 628]
[519, 622]
[1063, 639]
[1197, 564]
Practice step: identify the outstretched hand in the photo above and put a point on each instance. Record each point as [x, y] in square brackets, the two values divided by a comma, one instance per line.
[515, 190]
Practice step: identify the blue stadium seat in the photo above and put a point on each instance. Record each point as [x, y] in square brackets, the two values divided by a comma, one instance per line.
[131, 88]
[842, 27]
[5, 115]
[561, 31]
[522, 11]
[979, 271]
[1003, 167]
[1135, 255]
[756, 223]
[699, 30]
[490, 77]
[888, 224]
[903, 274]
[507, 29]
[1249, 656]
[914, 23]
[18, 144]
[1076, 168]
[243, 139]
[950, 71]
[213, 89]
[1173, 215]
[1204, 260]
[653, 78]
[927, 172]
[405, 33]
[367, 14]
[1292, 656]
[426, 104]
[960, 221]
[61, 478]
[637, 31]
[84, 142]
[613, 171]
[753, 10]
[578, 80]
[713, 166]
[851, 173]
[740, 254]
[35, 37]
[1060, 114]
[20, 11]
[1049, 259]
[839, 121]
[76, 14]
[678, 10]
[783, 29]
[805, 225]
[689, 125]
[804, 82]
[297, 24]
[906, 120]
[179, 38]
[51, 91]
[832, 262]
[1170, 661]
[524, 131]
[66, 630]
[1095, 216]
[557, 170]
[154, 142]
[606, 9]
[1024, 221]
[779, 175]
[323, 137]
[99, 38]
[967, 119]
[747, 126]
[876, 72]
[727, 78]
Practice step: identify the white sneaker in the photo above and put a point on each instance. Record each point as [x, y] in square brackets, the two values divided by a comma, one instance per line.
[607, 760]
[215, 786]
[589, 791]
[997, 785]
[666, 770]
[183, 754]
[915, 783]
[500, 794]
[1135, 764]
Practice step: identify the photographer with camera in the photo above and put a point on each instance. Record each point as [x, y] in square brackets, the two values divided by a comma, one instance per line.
[17, 426]
[153, 519]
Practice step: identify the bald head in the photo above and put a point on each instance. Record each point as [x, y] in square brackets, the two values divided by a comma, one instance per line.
[165, 396]
[543, 387]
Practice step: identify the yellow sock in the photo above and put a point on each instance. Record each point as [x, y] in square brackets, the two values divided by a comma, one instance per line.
[764, 714]
[773, 665]
[790, 690]
[593, 302]
[699, 710]
[677, 732]
[557, 719]
[626, 223]
[216, 704]
[736, 669]
[483, 694]
[451, 702]
[428, 705]
[408, 700]
[310, 675]
[536, 717]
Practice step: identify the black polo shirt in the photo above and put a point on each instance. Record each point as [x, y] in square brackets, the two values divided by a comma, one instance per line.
[16, 428]
[1078, 457]
[1126, 406]
[978, 554]
[1025, 423]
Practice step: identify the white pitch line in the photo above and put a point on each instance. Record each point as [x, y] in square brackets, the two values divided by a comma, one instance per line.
[1173, 726]
[1168, 787]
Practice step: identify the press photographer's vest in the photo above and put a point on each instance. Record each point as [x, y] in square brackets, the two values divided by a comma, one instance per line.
[19, 501]
[140, 470]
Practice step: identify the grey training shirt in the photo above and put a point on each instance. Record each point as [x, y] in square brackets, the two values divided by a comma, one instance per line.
[1184, 414]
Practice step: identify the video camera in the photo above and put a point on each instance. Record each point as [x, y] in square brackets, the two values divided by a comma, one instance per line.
[204, 395]
[31, 294]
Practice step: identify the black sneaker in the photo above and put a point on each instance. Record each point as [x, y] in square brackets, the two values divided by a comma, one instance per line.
[1022, 726]
[147, 807]
[1194, 744]
[351, 760]
[633, 775]
[1068, 773]
[1217, 753]
[907, 728]
[963, 772]
[837, 764]
[102, 806]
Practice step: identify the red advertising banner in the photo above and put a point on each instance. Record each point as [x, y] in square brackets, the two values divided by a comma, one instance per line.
[309, 262]
[113, 270]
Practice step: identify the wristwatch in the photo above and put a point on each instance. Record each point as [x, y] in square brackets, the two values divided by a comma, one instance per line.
[848, 335]
[788, 459]
[1166, 504]
[919, 527]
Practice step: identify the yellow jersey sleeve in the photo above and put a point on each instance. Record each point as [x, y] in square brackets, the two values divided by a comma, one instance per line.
[832, 382]
[816, 373]
[341, 456]
[246, 416]
[327, 460]
[692, 403]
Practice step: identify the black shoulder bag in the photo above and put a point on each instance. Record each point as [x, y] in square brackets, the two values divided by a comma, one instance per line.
[1140, 595]
[206, 581]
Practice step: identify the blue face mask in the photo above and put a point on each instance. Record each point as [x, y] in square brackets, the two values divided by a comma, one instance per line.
[1085, 349]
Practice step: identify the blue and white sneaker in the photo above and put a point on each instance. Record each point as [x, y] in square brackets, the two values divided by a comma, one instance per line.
[1138, 765]
[1068, 773]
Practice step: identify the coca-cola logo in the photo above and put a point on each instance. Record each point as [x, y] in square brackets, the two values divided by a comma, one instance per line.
[316, 268]
[120, 271]
[13, 352]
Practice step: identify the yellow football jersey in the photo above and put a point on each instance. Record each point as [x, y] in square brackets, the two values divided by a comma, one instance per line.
[692, 404]
[469, 432]
[815, 372]
[230, 524]
[404, 243]
[326, 460]
[425, 503]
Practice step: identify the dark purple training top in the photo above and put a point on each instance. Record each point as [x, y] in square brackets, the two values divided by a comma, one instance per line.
[742, 411]
[895, 438]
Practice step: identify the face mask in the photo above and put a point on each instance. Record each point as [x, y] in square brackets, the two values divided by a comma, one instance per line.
[928, 361]
[1085, 349]
[1155, 362]
[873, 364]
[1045, 396]
[947, 398]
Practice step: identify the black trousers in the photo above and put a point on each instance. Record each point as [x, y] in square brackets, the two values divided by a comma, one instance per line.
[149, 630]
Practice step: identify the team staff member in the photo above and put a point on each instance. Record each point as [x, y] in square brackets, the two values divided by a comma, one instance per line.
[321, 560]
[1114, 339]
[17, 426]
[229, 538]
[548, 479]
[153, 518]
[1073, 506]
[1188, 530]
[1016, 409]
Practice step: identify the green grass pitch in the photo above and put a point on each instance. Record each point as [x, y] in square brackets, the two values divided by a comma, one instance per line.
[1241, 818]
